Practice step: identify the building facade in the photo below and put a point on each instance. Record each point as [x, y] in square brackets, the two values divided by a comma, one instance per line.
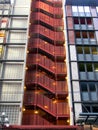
[49, 62]
[13, 43]
[46, 93]
[82, 44]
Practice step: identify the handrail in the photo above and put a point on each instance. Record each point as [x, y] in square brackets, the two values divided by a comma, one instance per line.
[46, 82]
[47, 47]
[57, 68]
[46, 19]
[38, 29]
[48, 105]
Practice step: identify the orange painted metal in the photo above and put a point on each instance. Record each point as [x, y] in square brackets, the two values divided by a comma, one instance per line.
[45, 97]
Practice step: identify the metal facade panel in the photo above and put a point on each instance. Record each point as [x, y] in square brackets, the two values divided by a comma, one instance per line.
[46, 66]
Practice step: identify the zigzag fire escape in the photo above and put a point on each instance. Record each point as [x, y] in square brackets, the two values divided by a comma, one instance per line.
[46, 93]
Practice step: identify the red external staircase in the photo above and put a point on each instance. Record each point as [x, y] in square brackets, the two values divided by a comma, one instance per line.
[46, 94]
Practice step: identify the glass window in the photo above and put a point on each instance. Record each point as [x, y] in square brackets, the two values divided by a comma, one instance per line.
[86, 108]
[1, 51]
[15, 53]
[19, 22]
[83, 87]
[76, 21]
[86, 50]
[80, 53]
[82, 20]
[96, 67]
[91, 35]
[75, 10]
[87, 11]
[93, 91]
[94, 51]
[21, 10]
[89, 67]
[83, 23]
[95, 109]
[92, 87]
[81, 10]
[4, 22]
[81, 67]
[11, 92]
[17, 37]
[78, 35]
[85, 94]
[12, 71]
[23, 3]
[0, 11]
[97, 9]
[6, 12]
[84, 34]
[79, 50]
[89, 21]
[87, 55]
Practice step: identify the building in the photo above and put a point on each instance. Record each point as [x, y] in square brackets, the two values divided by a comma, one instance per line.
[81, 21]
[13, 43]
[49, 62]
[46, 93]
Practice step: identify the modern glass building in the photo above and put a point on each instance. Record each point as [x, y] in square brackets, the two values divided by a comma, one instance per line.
[48, 62]
[82, 43]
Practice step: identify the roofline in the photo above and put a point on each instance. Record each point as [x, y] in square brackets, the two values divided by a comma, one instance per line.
[82, 2]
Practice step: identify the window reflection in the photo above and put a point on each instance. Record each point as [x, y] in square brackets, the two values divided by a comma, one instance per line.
[75, 10]
[86, 9]
[80, 9]
[97, 9]
[89, 91]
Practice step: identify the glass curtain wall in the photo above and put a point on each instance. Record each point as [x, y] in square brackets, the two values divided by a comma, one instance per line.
[13, 43]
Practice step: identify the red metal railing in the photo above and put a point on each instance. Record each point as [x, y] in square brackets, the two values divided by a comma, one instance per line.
[38, 29]
[35, 119]
[47, 47]
[46, 19]
[59, 87]
[54, 67]
[47, 8]
[51, 106]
